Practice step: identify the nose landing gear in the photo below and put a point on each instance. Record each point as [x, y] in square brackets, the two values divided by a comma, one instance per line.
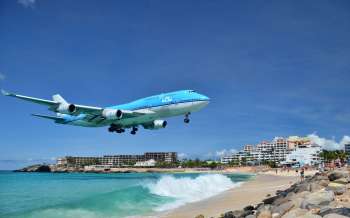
[187, 119]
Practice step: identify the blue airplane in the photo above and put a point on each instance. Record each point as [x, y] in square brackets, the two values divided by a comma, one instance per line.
[148, 112]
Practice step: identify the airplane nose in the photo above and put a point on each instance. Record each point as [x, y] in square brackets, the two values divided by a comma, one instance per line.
[205, 98]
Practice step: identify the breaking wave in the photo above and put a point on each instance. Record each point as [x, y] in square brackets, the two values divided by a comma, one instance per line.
[186, 189]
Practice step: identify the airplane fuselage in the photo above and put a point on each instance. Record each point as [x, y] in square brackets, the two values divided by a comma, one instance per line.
[163, 105]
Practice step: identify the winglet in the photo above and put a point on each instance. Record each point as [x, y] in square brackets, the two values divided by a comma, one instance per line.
[5, 92]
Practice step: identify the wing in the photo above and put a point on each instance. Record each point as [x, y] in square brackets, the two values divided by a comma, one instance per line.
[56, 119]
[35, 100]
[62, 106]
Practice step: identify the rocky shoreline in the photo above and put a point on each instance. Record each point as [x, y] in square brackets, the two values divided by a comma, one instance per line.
[325, 194]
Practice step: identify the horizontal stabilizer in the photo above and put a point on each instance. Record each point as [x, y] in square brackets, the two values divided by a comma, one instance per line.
[57, 119]
[5, 92]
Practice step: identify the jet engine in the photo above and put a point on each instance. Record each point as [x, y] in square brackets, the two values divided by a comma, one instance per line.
[112, 114]
[156, 124]
[66, 108]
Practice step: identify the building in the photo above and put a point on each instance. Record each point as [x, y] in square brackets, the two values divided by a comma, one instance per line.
[117, 160]
[147, 163]
[278, 151]
[347, 149]
[168, 157]
[306, 154]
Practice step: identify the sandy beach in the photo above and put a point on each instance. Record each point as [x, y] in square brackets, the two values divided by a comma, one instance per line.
[249, 193]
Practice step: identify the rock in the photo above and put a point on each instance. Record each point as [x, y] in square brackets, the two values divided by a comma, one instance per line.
[337, 188]
[315, 187]
[279, 201]
[270, 200]
[297, 201]
[250, 207]
[282, 209]
[264, 214]
[200, 216]
[334, 215]
[343, 181]
[309, 215]
[295, 213]
[302, 187]
[35, 168]
[317, 198]
[302, 194]
[251, 216]
[241, 213]
[343, 211]
[337, 175]
[228, 215]
[323, 182]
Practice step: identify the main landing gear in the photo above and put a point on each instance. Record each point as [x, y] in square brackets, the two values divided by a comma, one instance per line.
[115, 128]
[134, 130]
[187, 119]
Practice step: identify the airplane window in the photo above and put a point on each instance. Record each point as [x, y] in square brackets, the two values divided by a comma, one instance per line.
[191, 91]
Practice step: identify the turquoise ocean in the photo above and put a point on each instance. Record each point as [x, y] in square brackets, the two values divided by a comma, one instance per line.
[75, 195]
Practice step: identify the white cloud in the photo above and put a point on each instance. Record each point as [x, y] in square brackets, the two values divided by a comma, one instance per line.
[27, 3]
[2, 76]
[182, 156]
[329, 144]
[225, 152]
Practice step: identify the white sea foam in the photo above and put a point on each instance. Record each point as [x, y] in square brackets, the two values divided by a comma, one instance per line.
[187, 190]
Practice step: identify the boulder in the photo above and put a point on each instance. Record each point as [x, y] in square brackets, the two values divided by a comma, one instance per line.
[271, 199]
[318, 198]
[282, 209]
[250, 207]
[242, 213]
[309, 215]
[343, 181]
[228, 215]
[302, 187]
[297, 201]
[343, 211]
[264, 214]
[200, 216]
[323, 182]
[334, 175]
[334, 215]
[315, 187]
[279, 201]
[295, 213]
[302, 194]
[337, 188]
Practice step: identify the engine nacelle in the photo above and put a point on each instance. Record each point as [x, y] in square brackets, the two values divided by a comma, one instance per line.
[65, 108]
[112, 114]
[157, 124]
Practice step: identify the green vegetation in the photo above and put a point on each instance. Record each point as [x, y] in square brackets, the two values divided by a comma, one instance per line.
[199, 164]
[329, 156]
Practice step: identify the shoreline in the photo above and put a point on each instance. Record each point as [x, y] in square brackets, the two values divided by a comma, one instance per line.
[250, 192]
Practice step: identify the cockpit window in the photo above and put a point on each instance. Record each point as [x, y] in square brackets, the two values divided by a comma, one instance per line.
[190, 91]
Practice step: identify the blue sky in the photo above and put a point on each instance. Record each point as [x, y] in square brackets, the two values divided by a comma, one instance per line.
[273, 68]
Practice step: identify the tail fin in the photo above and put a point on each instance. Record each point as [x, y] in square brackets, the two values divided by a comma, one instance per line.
[58, 98]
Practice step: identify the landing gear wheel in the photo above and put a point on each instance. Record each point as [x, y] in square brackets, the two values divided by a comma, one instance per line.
[187, 119]
[133, 132]
[110, 129]
[119, 131]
